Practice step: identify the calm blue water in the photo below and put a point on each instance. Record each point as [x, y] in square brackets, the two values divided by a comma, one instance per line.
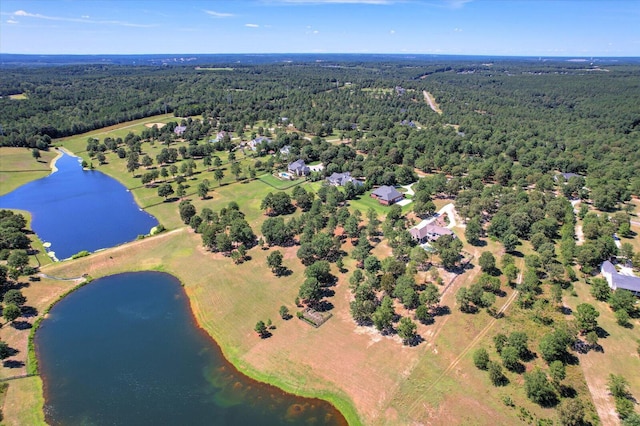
[77, 210]
[125, 350]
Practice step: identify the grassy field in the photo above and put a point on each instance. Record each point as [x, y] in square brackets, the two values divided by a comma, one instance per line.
[17, 167]
[118, 130]
[372, 379]
[18, 97]
[23, 403]
[365, 202]
[619, 353]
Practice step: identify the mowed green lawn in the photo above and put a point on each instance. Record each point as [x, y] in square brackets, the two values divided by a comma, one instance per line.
[366, 202]
[17, 167]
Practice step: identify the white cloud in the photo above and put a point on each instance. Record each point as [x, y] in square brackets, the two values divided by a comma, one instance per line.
[392, 32]
[84, 21]
[252, 25]
[85, 16]
[218, 14]
[457, 30]
[316, 32]
[11, 21]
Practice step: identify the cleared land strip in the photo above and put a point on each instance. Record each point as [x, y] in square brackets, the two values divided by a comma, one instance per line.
[602, 400]
[431, 101]
[466, 350]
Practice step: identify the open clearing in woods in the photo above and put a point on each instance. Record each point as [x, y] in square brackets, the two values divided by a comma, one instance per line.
[431, 100]
[372, 379]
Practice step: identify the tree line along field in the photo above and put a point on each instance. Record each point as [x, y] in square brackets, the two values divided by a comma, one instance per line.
[515, 208]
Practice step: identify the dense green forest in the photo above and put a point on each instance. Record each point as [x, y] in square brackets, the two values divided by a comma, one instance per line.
[505, 133]
[506, 121]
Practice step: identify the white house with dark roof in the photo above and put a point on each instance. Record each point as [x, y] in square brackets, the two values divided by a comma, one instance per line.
[617, 280]
[387, 195]
[179, 130]
[299, 168]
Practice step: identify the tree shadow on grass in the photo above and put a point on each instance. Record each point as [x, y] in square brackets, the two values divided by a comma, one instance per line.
[602, 333]
[19, 285]
[518, 368]
[440, 311]
[283, 271]
[567, 391]
[529, 356]
[29, 311]
[324, 306]
[571, 359]
[21, 325]
[12, 363]
[415, 341]
[479, 243]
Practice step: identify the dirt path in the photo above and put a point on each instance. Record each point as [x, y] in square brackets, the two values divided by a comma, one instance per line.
[579, 235]
[470, 346]
[431, 101]
[599, 393]
[450, 210]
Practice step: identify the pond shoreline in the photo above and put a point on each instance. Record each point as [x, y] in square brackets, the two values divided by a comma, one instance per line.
[263, 387]
[341, 402]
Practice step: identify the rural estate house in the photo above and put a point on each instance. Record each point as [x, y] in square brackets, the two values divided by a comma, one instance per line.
[219, 137]
[179, 130]
[564, 177]
[425, 232]
[257, 141]
[340, 179]
[617, 280]
[387, 195]
[285, 150]
[298, 168]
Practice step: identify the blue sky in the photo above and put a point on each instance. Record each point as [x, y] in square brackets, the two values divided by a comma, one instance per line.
[475, 27]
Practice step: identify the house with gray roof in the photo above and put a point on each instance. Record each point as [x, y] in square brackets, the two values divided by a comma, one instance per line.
[617, 280]
[340, 179]
[285, 150]
[219, 137]
[299, 168]
[387, 195]
[253, 144]
[179, 130]
[564, 177]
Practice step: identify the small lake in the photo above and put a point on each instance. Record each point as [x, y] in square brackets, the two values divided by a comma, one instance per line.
[75, 209]
[125, 350]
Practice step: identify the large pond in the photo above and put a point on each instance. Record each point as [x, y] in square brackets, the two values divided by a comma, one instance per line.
[125, 350]
[75, 209]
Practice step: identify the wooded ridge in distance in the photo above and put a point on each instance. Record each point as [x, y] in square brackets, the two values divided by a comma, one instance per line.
[527, 117]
